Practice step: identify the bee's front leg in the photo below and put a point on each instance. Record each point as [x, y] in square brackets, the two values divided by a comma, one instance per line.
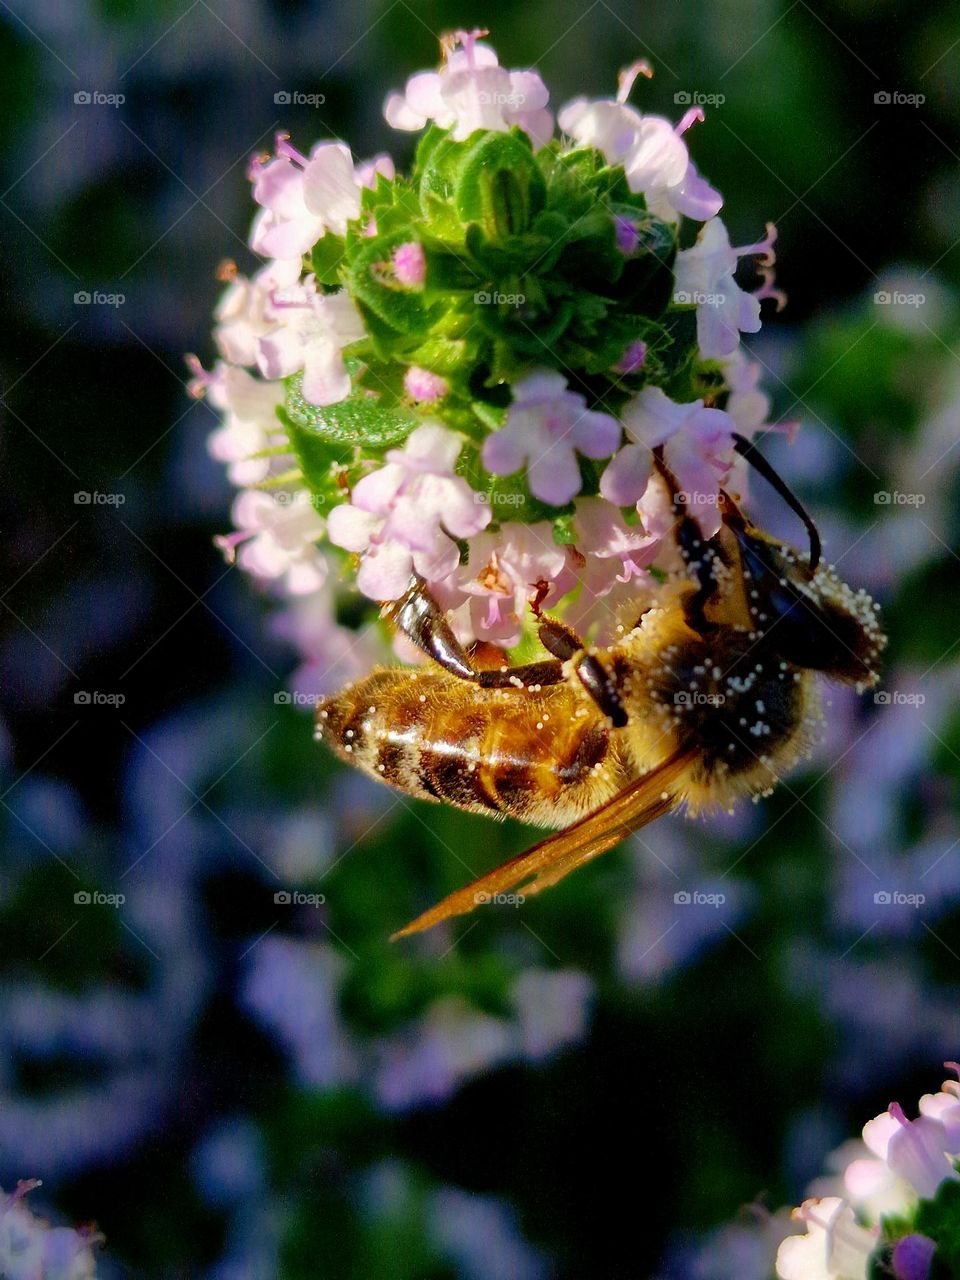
[564, 643]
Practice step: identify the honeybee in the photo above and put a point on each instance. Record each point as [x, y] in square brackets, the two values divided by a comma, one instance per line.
[711, 696]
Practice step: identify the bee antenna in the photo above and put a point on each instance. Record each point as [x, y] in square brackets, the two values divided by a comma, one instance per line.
[751, 454]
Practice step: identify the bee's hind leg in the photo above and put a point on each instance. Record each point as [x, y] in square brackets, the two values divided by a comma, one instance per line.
[422, 620]
[564, 643]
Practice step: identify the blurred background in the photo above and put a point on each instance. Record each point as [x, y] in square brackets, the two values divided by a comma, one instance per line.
[592, 1085]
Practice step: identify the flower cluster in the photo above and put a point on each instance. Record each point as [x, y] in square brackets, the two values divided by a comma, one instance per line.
[894, 1207]
[464, 373]
[30, 1249]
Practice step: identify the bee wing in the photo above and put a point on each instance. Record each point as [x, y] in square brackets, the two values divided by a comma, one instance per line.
[645, 799]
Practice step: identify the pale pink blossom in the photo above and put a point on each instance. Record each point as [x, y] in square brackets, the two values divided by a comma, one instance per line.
[276, 538]
[508, 569]
[603, 535]
[331, 655]
[245, 310]
[697, 448]
[403, 517]
[410, 264]
[423, 386]
[650, 149]
[546, 426]
[472, 91]
[313, 330]
[704, 276]
[250, 423]
[303, 198]
[835, 1246]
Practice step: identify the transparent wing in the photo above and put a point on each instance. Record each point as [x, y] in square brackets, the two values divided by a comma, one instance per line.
[644, 800]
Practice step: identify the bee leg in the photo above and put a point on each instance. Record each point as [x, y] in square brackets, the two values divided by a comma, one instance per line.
[564, 644]
[422, 620]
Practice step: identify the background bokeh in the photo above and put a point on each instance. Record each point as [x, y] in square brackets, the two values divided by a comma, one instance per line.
[239, 1089]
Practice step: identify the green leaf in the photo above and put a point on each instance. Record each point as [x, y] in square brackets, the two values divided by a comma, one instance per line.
[327, 258]
[368, 419]
[940, 1220]
[499, 184]
[404, 310]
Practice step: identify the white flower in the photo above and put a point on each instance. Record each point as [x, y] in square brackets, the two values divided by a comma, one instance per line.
[835, 1247]
[404, 516]
[697, 448]
[245, 312]
[505, 571]
[250, 423]
[650, 149]
[705, 276]
[304, 198]
[277, 537]
[472, 91]
[546, 426]
[314, 329]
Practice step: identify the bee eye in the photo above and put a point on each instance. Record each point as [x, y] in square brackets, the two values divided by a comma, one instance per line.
[805, 626]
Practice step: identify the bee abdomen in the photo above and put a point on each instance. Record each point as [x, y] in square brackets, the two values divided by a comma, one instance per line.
[496, 753]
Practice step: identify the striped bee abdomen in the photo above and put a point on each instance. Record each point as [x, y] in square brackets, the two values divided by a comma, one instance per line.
[542, 755]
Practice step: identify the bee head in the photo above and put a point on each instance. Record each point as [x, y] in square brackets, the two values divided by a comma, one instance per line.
[809, 617]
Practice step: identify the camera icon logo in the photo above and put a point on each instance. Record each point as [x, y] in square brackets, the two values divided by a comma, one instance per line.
[82, 699]
[82, 498]
[682, 98]
[283, 97]
[682, 898]
[283, 698]
[682, 298]
[82, 98]
[282, 898]
[682, 699]
[482, 298]
[882, 698]
[882, 898]
[81, 298]
[481, 898]
[82, 898]
[882, 297]
[882, 98]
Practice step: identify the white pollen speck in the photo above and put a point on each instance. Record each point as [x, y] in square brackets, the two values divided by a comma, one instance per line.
[348, 748]
[371, 711]
[381, 768]
[539, 724]
[349, 733]
[423, 697]
[546, 716]
[324, 715]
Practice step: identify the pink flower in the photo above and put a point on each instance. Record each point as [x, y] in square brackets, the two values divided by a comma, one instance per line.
[304, 198]
[410, 264]
[331, 655]
[546, 426]
[472, 91]
[835, 1244]
[508, 569]
[697, 448]
[277, 537]
[423, 386]
[250, 421]
[245, 312]
[403, 517]
[917, 1152]
[603, 534]
[314, 328]
[705, 276]
[650, 149]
